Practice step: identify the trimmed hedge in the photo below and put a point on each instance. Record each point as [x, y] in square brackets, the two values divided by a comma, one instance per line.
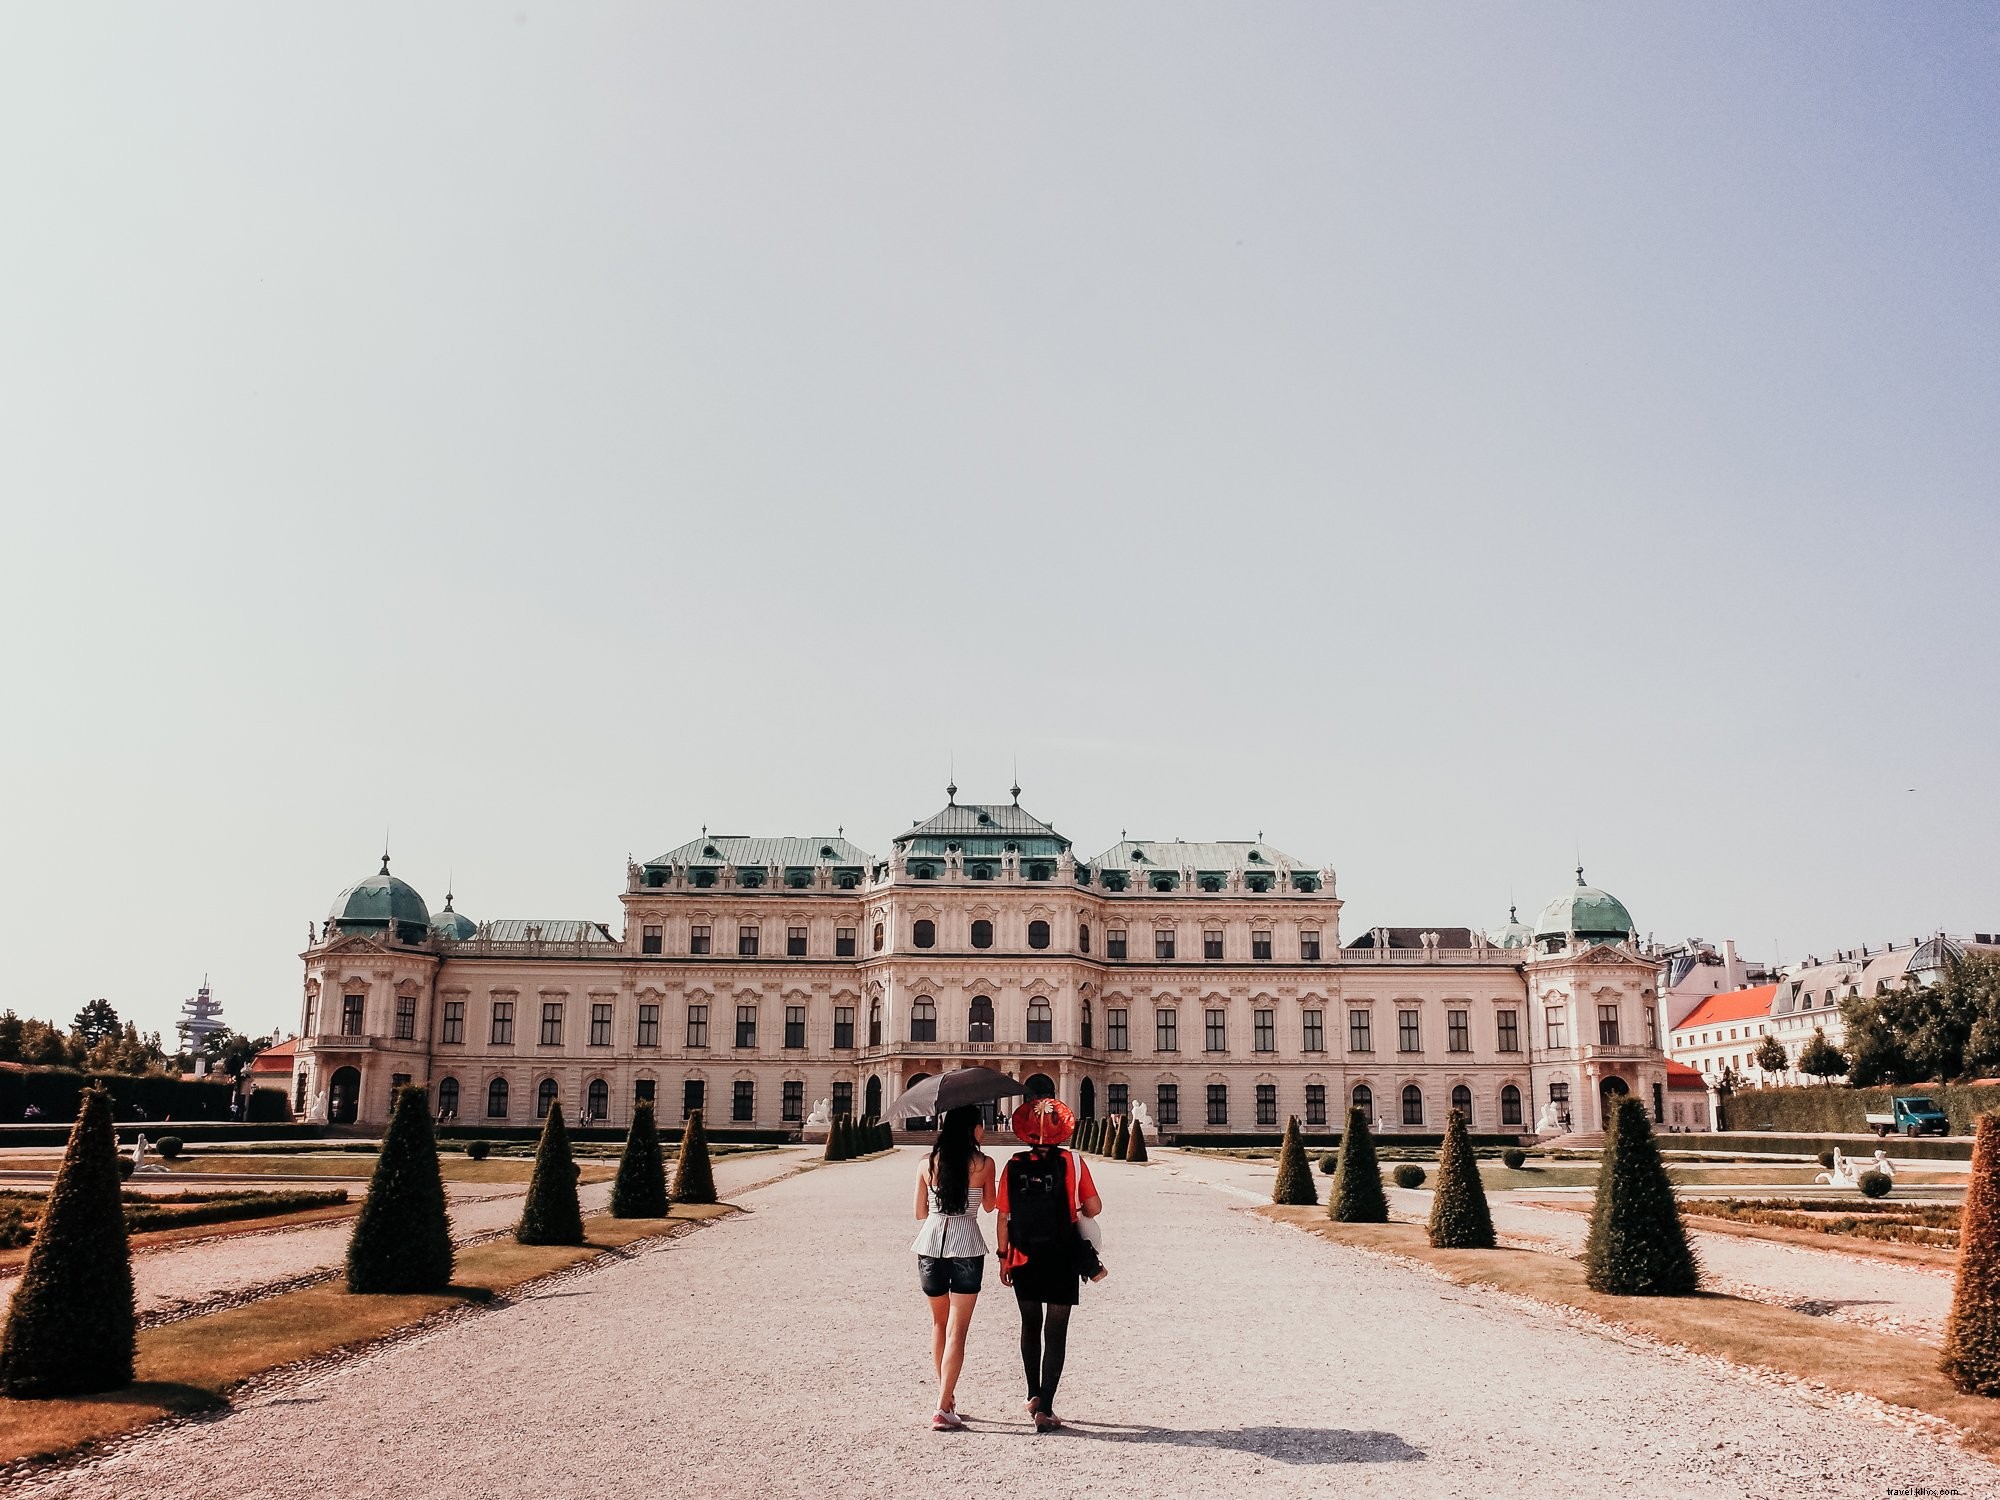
[694, 1175]
[57, 1092]
[1638, 1246]
[1294, 1182]
[401, 1241]
[1393, 1140]
[1923, 1147]
[1135, 1149]
[1356, 1196]
[551, 1215]
[641, 1189]
[1972, 1335]
[1459, 1219]
[1838, 1110]
[267, 1107]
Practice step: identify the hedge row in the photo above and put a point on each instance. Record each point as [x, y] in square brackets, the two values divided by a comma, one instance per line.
[1811, 1108]
[616, 1134]
[1325, 1141]
[1925, 1148]
[58, 1091]
[192, 1131]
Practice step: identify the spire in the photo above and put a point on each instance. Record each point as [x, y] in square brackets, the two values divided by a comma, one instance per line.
[1579, 874]
[1016, 787]
[1512, 914]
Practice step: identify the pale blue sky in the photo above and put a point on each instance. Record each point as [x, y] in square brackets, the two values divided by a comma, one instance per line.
[1440, 438]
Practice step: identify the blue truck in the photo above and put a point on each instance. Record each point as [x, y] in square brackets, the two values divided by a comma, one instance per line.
[1910, 1114]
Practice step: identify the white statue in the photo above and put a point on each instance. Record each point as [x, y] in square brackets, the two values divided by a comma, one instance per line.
[317, 1114]
[1142, 1119]
[1551, 1120]
[1843, 1174]
[139, 1153]
[1883, 1165]
[822, 1113]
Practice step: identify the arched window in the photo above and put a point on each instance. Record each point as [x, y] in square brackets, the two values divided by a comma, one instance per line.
[496, 1099]
[1461, 1100]
[1083, 937]
[1413, 1105]
[979, 1021]
[447, 1098]
[923, 933]
[1041, 1021]
[878, 937]
[600, 1099]
[923, 1019]
[1086, 1023]
[982, 934]
[1038, 934]
[1510, 1105]
[1364, 1100]
[545, 1098]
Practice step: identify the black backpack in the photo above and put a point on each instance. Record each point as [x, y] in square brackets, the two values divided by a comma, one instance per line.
[1038, 1203]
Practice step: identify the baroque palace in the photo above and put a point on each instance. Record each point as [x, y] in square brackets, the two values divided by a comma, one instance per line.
[752, 977]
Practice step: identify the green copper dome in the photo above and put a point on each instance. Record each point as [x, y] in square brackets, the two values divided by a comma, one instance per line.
[1585, 912]
[1516, 934]
[453, 926]
[371, 905]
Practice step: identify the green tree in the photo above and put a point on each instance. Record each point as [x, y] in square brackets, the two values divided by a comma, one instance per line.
[1638, 1246]
[402, 1237]
[1460, 1219]
[1876, 1054]
[641, 1189]
[1771, 1056]
[1357, 1196]
[1972, 1336]
[71, 1329]
[43, 1044]
[95, 1022]
[1820, 1059]
[1135, 1149]
[694, 1176]
[1294, 1182]
[552, 1215]
[230, 1052]
[10, 1036]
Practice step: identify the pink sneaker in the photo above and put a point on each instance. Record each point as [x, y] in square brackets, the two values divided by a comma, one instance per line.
[947, 1421]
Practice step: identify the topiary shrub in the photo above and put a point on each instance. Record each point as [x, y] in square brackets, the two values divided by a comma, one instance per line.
[1408, 1175]
[1357, 1196]
[551, 1215]
[169, 1147]
[1972, 1335]
[1294, 1183]
[832, 1149]
[1874, 1184]
[402, 1237]
[641, 1189]
[1135, 1149]
[1638, 1246]
[1121, 1140]
[1327, 1162]
[71, 1328]
[1460, 1219]
[1513, 1158]
[267, 1107]
[694, 1176]
[478, 1150]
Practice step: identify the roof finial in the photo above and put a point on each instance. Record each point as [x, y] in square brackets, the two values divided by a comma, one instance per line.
[951, 781]
[385, 851]
[1016, 788]
[451, 879]
[1513, 916]
[1579, 874]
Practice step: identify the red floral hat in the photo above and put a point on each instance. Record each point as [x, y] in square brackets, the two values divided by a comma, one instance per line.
[1044, 1122]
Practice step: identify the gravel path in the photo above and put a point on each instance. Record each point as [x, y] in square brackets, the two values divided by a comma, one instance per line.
[784, 1352]
[182, 1276]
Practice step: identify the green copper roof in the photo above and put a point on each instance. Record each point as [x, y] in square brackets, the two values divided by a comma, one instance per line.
[369, 905]
[453, 926]
[1587, 912]
[1516, 933]
[1246, 855]
[735, 849]
[975, 825]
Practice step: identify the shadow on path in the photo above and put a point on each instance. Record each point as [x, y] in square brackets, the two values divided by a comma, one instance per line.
[1291, 1445]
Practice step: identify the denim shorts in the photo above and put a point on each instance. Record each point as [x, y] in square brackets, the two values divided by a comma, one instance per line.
[939, 1274]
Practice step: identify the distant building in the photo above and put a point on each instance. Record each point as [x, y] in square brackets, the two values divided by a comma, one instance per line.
[1722, 1033]
[1690, 1104]
[1692, 971]
[271, 1069]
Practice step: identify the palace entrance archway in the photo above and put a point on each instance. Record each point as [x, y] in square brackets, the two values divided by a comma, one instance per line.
[343, 1096]
[1609, 1092]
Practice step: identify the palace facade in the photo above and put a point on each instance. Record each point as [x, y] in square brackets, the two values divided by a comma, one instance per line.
[752, 977]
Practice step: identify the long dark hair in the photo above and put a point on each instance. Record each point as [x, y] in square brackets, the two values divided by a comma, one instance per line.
[951, 1158]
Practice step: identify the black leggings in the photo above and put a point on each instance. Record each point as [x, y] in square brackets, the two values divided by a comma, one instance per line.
[1044, 1342]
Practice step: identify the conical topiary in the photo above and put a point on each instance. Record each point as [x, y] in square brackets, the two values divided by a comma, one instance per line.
[402, 1237]
[1460, 1219]
[832, 1151]
[1638, 1246]
[1100, 1140]
[694, 1178]
[1357, 1196]
[1135, 1149]
[1972, 1336]
[1122, 1139]
[551, 1215]
[1086, 1134]
[641, 1189]
[71, 1328]
[1295, 1178]
[845, 1150]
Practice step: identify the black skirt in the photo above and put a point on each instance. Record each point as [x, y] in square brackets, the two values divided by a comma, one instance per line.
[1048, 1277]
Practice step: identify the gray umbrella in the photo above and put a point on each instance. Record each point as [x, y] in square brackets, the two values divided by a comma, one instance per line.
[946, 1091]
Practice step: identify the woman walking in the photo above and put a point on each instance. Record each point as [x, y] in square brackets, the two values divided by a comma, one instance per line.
[1043, 1256]
[954, 1188]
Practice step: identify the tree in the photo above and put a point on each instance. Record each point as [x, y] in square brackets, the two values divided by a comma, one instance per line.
[1357, 1196]
[95, 1022]
[402, 1237]
[1728, 1081]
[1135, 1149]
[694, 1177]
[641, 1189]
[10, 1036]
[1771, 1056]
[71, 1329]
[1294, 1183]
[552, 1215]
[1460, 1219]
[1638, 1246]
[230, 1052]
[1972, 1335]
[1820, 1059]
[1875, 1049]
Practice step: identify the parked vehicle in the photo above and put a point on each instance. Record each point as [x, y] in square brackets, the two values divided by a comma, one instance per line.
[1911, 1114]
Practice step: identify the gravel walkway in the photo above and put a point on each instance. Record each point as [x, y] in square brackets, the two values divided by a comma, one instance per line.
[784, 1352]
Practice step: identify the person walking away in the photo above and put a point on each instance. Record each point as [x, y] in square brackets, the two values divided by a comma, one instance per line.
[954, 1187]
[1043, 1256]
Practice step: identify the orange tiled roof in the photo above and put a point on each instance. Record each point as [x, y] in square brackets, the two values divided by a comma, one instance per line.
[1736, 1005]
[277, 1059]
[1681, 1076]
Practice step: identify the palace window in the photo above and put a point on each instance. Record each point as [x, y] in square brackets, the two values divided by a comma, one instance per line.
[1364, 1100]
[1315, 1104]
[1083, 937]
[1085, 1013]
[1114, 942]
[792, 1099]
[979, 1020]
[350, 1014]
[599, 1100]
[923, 933]
[1041, 1021]
[1360, 1031]
[1510, 1105]
[982, 934]
[1413, 1105]
[1315, 1031]
[843, 1099]
[795, 1025]
[642, 1091]
[1166, 1031]
[1163, 942]
[1170, 1103]
[1038, 934]
[697, 1026]
[1309, 947]
[1607, 1025]
[843, 1026]
[552, 1023]
[1114, 1029]
[1461, 1100]
[447, 1098]
[746, 942]
[545, 1098]
[503, 1023]
[1554, 1021]
[496, 1099]
[1211, 943]
[746, 1025]
[743, 1100]
[406, 1018]
[1559, 1092]
[923, 1019]
[1267, 1104]
[1264, 1030]
[1216, 1031]
[698, 941]
[1117, 1099]
[879, 937]
[1457, 1031]
[1260, 945]
[649, 938]
[1409, 1031]
[1218, 1104]
[875, 1023]
[795, 942]
[843, 942]
[1652, 1026]
[693, 1092]
[312, 1014]
[649, 1026]
[600, 1026]
[454, 1021]
[1509, 1027]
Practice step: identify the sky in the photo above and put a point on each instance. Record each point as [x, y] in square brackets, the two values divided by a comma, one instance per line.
[1445, 441]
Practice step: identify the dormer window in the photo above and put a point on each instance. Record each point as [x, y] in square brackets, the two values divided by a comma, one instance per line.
[1038, 872]
[709, 851]
[1011, 848]
[703, 879]
[1138, 854]
[826, 851]
[1256, 857]
[923, 872]
[984, 819]
[1259, 882]
[750, 880]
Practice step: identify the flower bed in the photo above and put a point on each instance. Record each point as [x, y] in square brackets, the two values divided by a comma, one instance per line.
[148, 1211]
[1858, 1218]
